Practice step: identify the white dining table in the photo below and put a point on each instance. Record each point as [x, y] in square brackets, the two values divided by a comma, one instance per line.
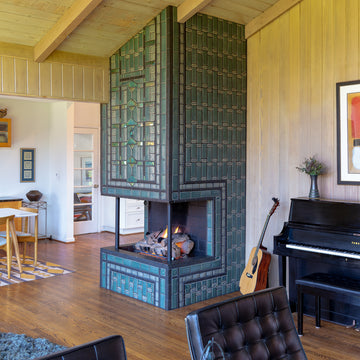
[18, 214]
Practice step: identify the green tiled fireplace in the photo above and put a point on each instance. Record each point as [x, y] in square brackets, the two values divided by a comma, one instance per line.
[174, 132]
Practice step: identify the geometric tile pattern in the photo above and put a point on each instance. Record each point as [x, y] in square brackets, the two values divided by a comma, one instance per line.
[133, 278]
[197, 134]
[211, 148]
[133, 123]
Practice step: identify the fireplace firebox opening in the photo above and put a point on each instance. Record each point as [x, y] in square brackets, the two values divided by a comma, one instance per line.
[191, 230]
[190, 217]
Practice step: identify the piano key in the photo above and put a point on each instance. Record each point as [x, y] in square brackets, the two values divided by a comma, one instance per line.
[323, 251]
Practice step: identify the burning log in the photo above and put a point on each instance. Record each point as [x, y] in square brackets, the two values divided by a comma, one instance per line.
[156, 243]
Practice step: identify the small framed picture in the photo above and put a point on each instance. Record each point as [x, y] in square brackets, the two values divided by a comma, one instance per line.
[27, 165]
[5, 132]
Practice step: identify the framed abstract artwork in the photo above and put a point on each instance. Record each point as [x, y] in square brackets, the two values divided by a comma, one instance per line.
[27, 165]
[348, 132]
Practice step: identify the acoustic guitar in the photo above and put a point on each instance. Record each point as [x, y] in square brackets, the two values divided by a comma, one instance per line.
[255, 274]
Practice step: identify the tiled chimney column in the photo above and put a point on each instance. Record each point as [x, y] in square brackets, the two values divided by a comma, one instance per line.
[175, 130]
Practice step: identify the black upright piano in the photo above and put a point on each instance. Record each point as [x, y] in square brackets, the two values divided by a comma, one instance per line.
[320, 236]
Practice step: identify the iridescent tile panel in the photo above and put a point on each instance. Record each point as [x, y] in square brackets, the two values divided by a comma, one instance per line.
[135, 155]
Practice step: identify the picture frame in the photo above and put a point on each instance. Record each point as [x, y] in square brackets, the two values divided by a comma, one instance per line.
[5, 132]
[27, 165]
[348, 132]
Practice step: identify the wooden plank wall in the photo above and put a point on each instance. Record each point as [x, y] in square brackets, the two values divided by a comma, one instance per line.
[294, 64]
[65, 77]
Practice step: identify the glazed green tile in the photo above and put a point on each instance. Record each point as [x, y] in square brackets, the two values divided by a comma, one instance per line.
[210, 101]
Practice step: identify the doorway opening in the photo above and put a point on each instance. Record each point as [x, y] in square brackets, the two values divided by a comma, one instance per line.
[86, 188]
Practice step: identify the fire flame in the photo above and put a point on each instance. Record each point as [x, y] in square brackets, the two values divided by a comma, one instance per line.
[164, 235]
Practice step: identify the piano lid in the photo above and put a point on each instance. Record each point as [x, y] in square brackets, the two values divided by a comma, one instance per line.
[325, 213]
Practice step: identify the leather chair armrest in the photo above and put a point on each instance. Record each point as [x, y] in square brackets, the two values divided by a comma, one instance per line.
[194, 341]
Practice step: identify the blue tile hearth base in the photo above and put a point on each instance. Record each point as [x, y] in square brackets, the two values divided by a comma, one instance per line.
[154, 281]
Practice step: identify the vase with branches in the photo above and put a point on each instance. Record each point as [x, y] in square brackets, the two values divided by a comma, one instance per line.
[312, 167]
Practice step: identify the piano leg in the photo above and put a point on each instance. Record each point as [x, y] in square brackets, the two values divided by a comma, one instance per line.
[282, 270]
[317, 311]
[300, 301]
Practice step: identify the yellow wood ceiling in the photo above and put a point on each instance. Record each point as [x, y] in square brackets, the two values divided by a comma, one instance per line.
[105, 25]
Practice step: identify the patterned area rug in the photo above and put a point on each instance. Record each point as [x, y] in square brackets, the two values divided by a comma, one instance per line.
[42, 270]
[21, 347]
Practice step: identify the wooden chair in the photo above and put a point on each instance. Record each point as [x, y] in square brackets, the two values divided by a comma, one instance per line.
[25, 236]
[6, 241]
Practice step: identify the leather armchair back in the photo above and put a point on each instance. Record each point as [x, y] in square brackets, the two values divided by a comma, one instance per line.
[255, 326]
[108, 348]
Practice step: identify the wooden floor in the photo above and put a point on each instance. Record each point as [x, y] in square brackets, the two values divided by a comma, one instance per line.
[72, 309]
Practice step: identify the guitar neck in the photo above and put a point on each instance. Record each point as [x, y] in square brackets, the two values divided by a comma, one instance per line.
[276, 204]
[262, 235]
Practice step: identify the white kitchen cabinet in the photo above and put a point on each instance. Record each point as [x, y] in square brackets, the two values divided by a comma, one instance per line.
[131, 216]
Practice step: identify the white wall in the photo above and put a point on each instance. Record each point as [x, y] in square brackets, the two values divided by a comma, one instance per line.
[30, 129]
[60, 168]
[87, 115]
[107, 218]
[48, 126]
[43, 125]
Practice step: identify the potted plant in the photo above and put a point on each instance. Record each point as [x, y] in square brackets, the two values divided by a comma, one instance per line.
[312, 167]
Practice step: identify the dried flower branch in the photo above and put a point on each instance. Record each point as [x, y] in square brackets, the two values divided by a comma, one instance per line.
[311, 166]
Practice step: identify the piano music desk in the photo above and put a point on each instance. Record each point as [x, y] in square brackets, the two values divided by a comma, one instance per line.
[333, 287]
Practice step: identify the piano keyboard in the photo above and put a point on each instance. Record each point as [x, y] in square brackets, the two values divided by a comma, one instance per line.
[324, 251]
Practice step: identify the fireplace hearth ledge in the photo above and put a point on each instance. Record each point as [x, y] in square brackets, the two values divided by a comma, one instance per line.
[154, 280]
[127, 252]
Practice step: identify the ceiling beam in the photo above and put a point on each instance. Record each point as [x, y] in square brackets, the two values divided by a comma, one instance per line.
[71, 19]
[189, 8]
[268, 16]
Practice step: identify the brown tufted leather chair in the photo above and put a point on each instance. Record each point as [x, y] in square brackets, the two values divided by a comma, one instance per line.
[255, 326]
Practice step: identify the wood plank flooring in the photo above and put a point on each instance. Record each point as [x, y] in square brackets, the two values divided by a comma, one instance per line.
[73, 309]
